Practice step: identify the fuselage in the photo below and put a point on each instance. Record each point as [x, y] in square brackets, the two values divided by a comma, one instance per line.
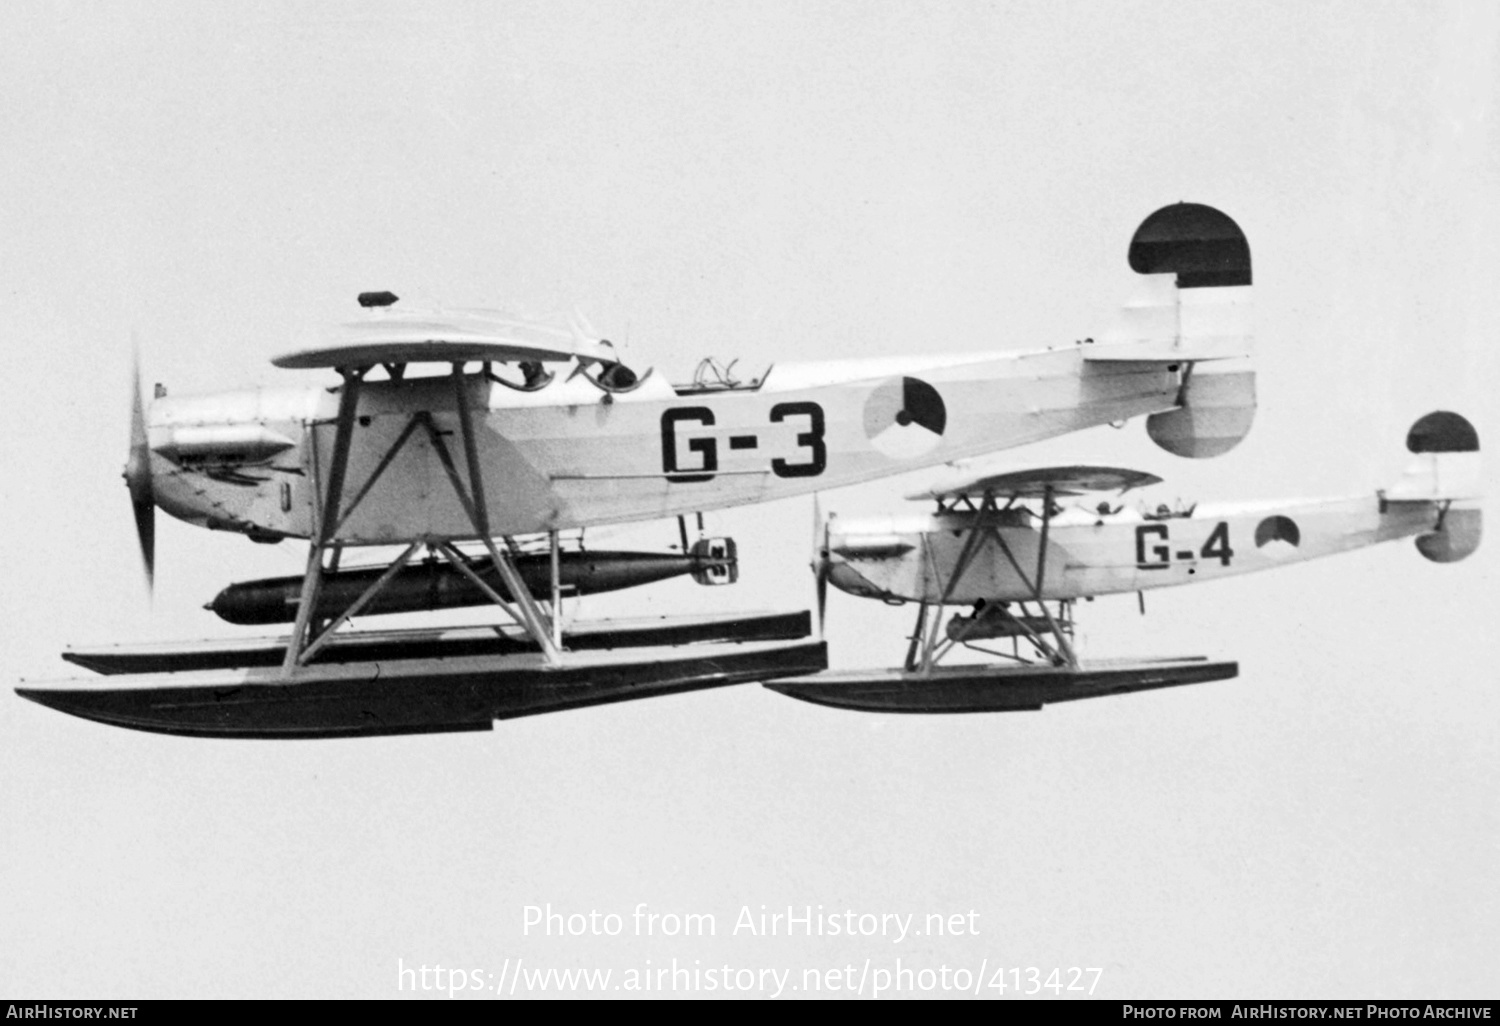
[571, 454]
[914, 558]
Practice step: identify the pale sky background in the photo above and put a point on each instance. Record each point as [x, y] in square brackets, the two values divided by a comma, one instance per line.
[775, 182]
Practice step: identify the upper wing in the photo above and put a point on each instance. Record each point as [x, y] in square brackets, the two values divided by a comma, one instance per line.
[413, 336]
[1038, 482]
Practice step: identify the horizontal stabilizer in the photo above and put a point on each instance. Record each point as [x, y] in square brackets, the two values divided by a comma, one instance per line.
[1216, 413]
[1457, 537]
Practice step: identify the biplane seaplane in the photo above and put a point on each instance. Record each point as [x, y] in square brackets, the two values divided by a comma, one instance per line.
[1022, 547]
[479, 438]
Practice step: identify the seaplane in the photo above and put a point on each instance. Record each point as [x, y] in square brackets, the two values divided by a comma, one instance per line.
[475, 441]
[1021, 547]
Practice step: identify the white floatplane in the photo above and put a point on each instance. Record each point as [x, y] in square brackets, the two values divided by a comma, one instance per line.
[1022, 547]
[528, 430]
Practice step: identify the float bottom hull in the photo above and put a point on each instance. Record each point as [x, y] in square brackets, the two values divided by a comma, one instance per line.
[415, 696]
[967, 689]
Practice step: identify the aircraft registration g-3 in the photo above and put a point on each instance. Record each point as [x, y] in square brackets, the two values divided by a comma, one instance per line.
[596, 443]
[530, 430]
[999, 541]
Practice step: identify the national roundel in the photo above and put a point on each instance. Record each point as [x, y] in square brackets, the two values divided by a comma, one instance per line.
[905, 418]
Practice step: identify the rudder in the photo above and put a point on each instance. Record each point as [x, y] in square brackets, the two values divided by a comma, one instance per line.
[1445, 472]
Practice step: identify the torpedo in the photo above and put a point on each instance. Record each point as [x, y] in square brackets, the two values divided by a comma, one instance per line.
[435, 585]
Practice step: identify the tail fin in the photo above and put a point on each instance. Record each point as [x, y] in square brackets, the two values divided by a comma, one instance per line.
[1446, 463]
[1445, 472]
[717, 561]
[1194, 302]
[1194, 305]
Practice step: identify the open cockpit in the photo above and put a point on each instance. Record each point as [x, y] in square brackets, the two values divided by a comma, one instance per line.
[714, 375]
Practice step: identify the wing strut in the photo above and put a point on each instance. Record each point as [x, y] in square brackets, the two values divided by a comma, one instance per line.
[330, 515]
[925, 653]
[531, 615]
[327, 516]
[555, 550]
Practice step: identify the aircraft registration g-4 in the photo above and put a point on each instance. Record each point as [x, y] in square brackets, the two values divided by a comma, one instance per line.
[1112, 548]
[1007, 544]
[528, 429]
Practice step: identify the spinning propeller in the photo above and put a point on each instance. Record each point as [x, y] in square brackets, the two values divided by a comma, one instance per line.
[821, 565]
[138, 477]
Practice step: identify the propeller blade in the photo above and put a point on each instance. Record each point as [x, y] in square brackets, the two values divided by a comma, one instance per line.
[145, 531]
[138, 478]
[822, 601]
[820, 564]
